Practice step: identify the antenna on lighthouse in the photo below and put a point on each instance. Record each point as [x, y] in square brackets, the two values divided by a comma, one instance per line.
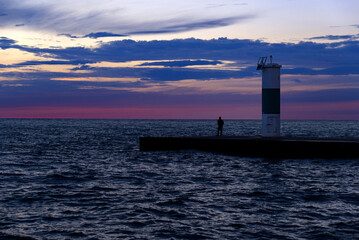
[270, 97]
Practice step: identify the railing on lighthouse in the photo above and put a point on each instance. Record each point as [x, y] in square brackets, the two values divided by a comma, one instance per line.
[270, 97]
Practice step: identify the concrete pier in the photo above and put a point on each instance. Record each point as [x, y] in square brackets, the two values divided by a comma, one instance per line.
[266, 147]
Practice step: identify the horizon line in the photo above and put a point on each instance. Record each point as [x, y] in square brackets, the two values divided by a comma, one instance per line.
[242, 119]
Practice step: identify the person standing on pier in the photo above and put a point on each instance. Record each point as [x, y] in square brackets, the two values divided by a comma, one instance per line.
[220, 123]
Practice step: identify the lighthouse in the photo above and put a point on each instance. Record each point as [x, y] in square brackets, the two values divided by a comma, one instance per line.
[270, 97]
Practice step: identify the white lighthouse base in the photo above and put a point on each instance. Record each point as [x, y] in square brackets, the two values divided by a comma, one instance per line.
[270, 125]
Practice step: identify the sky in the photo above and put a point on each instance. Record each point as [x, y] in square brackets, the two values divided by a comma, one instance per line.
[165, 59]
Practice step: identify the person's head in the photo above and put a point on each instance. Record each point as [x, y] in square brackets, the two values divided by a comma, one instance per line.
[220, 118]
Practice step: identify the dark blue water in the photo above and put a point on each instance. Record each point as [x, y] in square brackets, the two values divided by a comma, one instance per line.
[86, 179]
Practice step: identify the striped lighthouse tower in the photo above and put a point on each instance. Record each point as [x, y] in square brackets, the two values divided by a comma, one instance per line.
[270, 97]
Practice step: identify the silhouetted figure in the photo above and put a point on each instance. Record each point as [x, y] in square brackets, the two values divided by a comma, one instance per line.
[220, 126]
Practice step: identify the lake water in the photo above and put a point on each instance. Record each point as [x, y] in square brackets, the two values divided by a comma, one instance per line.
[86, 179]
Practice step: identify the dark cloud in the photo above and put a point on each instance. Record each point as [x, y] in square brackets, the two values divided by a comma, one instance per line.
[335, 37]
[191, 26]
[147, 74]
[83, 67]
[321, 55]
[339, 58]
[181, 63]
[103, 34]
[128, 50]
[199, 74]
[67, 35]
[6, 42]
[51, 62]
[93, 35]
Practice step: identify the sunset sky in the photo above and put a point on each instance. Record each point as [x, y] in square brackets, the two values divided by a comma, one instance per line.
[167, 59]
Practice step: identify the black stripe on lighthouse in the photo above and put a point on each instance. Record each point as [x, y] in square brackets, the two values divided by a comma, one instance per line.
[271, 101]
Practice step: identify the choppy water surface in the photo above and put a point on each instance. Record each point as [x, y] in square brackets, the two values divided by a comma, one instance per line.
[86, 179]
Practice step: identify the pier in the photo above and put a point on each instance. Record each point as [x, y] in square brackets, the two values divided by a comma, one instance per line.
[270, 144]
[257, 146]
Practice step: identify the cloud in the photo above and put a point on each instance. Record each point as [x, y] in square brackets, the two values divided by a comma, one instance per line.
[6, 42]
[338, 58]
[166, 73]
[180, 59]
[14, 85]
[8, 79]
[103, 34]
[67, 35]
[335, 37]
[181, 74]
[181, 63]
[194, 25]
[54, 62]
[76, 17]
[97, 79]
[94, 35]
